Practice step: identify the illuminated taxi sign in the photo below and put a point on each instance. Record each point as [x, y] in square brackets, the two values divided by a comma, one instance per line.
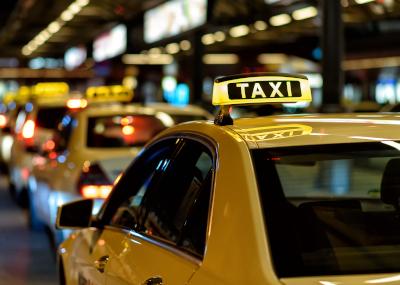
[259, 88]
[109, 94]
[50, 89]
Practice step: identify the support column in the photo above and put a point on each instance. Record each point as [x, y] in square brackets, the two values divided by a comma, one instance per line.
[197, 68]
[332, 49]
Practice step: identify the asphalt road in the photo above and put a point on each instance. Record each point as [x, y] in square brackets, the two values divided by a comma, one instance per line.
[26, 258]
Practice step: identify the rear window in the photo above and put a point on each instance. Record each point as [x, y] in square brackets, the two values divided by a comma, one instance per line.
[332, 209]
[122, 131]
[184, 118]
[49, 117]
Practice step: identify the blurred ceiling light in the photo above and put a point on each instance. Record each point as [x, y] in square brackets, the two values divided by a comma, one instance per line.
[272, 58]
[74, 8]
[280, 20]
[305, 13]
[222, 58]
[172, 48]
[155, 50]
[345, 3]
[271, 1]
[370, 63]
[260, 25]
[66, 16]
[239, 31]
[54, 27]
[363, 1]
[219, 36]
[82, 3]
[26, 51]
[185, 45]
[208, 39]
[144, 59]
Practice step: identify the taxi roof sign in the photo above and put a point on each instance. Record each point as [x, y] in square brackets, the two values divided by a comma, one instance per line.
[113, 93]
[260, 88]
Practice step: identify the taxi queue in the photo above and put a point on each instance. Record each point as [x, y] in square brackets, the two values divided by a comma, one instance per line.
[286, 199]
[58, 146]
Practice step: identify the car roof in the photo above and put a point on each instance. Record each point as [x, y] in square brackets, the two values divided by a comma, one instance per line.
[315, 129]
[300, 130]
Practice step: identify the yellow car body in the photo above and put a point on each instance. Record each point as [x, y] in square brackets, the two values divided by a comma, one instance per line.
[237, 249]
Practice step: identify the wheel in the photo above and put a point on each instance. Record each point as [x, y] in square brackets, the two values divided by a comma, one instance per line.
[33, 221]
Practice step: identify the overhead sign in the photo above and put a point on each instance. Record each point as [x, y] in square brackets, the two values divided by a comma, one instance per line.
[261, 88]
[172, 18]
[110, 44]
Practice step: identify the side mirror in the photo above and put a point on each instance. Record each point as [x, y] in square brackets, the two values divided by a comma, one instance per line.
[75, 215]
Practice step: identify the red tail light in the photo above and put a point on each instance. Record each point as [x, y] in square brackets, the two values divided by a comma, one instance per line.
[3, 121]
[28, 130]
[93, 182]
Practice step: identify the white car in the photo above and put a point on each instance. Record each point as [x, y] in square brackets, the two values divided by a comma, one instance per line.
[93, 147]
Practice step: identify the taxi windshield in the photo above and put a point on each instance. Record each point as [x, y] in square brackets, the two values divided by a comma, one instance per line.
[331, 209]
[122, 130]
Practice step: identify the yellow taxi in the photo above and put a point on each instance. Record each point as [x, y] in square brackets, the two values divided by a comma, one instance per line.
[35, 123]
[290, 199]
[92, 147]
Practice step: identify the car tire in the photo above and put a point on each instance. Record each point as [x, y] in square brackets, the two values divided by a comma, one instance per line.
[33, 221]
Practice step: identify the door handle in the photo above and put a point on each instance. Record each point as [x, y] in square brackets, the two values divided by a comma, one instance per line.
[101, 263]
[153, 281]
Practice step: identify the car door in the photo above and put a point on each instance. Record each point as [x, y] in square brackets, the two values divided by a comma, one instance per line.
[96, 249]
[166, 219]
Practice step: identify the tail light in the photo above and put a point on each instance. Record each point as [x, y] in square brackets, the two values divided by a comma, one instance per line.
[28, 130]
[3, 121]
[93, 182]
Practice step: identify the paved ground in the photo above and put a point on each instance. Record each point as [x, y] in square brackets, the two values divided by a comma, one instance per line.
[25, 257]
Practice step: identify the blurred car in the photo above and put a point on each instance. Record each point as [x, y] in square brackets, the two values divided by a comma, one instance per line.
[299, 199]
[12, 104]
[93, 147]
[35, 123]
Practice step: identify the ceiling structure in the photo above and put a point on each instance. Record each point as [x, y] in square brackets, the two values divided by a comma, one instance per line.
[371, 27]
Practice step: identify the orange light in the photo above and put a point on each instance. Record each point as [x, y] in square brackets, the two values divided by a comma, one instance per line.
[76, 103]
[126, 121]
[96, 191]
[128, 130]
[28, 130]
[49, 145]
[3, 121]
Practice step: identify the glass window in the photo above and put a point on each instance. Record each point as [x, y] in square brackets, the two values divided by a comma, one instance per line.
[122, 131]
[142, 175]
[167, 195]
[176, 210]
[332, 209]
[50, 117]
[180, 118]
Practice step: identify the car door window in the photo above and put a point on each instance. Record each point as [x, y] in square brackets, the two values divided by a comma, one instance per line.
[123, 207]
[176, 211]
